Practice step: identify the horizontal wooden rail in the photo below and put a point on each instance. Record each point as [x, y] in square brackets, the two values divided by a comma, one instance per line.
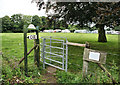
[76, 44]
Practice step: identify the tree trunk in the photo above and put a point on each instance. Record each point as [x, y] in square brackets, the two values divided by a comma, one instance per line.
[54, 24]
[101, 32]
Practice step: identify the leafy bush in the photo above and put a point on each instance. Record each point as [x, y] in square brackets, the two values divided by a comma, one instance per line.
[16, 75]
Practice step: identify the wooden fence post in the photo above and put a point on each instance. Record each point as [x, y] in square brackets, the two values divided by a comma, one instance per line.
[25, 49]
[85, 63]
[38, 47]
[85, 68]
[35, 59]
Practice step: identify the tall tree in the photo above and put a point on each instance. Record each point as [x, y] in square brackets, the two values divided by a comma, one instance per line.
[27, 19]
[17, 22]
[36, 20]
[101, 14]
[49, 22]
[6, 23]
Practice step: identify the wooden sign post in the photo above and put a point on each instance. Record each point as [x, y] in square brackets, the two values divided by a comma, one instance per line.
[97, 57]
[92, 56]
[36, 47]
[25, 50]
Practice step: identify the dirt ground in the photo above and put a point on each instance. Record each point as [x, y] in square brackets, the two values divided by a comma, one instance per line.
[49, 76]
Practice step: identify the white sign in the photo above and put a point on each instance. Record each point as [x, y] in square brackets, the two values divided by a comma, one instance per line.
[32, 37]
[94, 56]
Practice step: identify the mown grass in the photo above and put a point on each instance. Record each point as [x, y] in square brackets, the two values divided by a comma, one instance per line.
[13, 48]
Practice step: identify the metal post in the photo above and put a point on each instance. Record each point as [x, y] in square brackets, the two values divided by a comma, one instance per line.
[63, 57]
[66, 56]
[43, 53]
[50, 48]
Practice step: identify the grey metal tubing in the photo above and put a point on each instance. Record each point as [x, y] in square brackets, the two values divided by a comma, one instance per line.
[54, 39]
[53, 65]
[59, 52]
[54, 47]
[43, 54]
[66, 56]
[52, 42]
[53, 54]
[53, 60]
[63, 56]
[50, 48]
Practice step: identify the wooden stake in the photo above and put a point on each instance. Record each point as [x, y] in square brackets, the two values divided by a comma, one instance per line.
[108, 74]
[85, 63]
[85, 68]
[38, 48]
[25, 52]
[35, 50]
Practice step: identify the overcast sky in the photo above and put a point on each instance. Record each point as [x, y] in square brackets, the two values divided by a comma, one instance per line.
[10, 7]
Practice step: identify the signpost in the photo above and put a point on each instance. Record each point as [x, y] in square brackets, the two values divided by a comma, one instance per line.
[97, 57]
[36, 47]
[92, 56]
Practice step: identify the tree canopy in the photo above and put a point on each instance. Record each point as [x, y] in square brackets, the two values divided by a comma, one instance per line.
[17, 22]
[82, 13]
[6, 23]
[36, 20]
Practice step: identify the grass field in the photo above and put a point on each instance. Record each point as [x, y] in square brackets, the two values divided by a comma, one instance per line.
[13, 50]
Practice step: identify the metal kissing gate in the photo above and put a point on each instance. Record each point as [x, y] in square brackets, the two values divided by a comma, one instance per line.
[54, 52]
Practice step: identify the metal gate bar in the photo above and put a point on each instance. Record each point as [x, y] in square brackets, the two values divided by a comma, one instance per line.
[47, 43]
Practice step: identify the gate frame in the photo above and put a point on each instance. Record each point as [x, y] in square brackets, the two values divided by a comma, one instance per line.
[64, 56]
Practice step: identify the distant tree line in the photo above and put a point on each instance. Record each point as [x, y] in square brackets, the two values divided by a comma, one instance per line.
[15, 23]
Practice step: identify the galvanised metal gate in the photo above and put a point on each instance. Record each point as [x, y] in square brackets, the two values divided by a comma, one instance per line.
[54, 52]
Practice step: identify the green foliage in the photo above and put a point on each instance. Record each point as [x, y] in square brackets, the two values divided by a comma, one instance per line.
[12, 53]
[73, 28]
[98, 77]
[65, 77]
[6, 23]
[117, 28]
[17, 75]
[17, 22]
[36, 20]
[7, 72]
[27, 19]
[114, 70]
[83, 13]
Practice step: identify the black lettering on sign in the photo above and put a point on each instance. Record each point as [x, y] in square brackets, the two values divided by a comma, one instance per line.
[32, 37]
